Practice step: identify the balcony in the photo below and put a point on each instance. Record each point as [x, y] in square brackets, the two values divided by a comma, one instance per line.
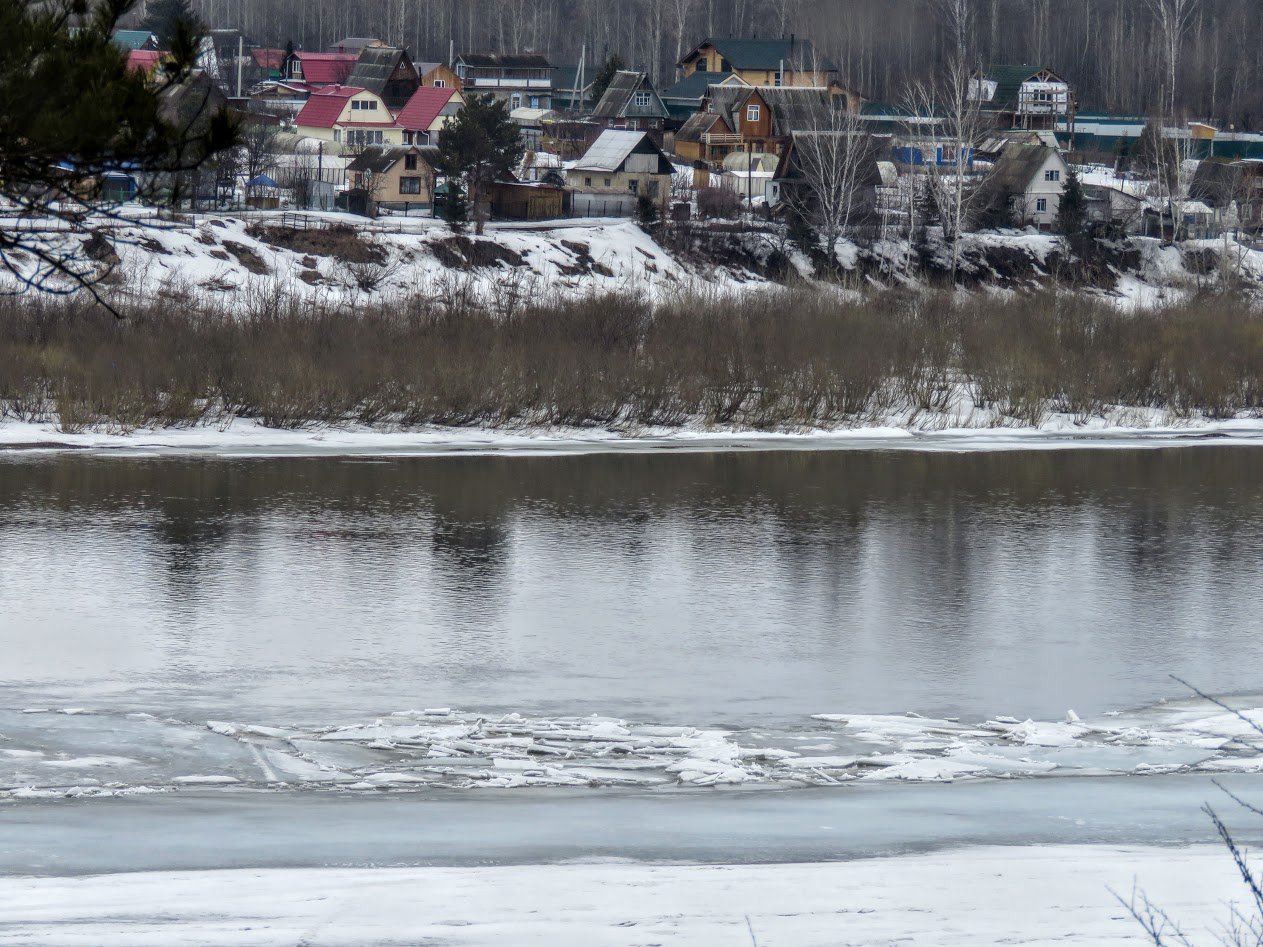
[716, 138]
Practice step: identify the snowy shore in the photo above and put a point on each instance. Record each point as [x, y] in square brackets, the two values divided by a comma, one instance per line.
[249, 438]
[990, 895]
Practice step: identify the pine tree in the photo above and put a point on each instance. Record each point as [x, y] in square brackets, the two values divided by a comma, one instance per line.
[477, 146]
[1072, 209]
[165, 19]
[73, 109]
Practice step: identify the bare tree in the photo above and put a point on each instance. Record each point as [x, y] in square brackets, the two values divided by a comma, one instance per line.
[957, 100]
[1173, 19]
[833, 162]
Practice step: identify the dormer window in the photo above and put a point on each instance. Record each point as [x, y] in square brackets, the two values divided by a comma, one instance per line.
[701, 65]
[642, 100]
[752, 113]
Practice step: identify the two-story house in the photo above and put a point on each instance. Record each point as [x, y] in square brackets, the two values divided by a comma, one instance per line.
[354, 118]
[619, 169]
[387, 71]
[772, 62]
[521, 80]
[756, 120]
[631, 102]
[1025, 187]
[1028, 97]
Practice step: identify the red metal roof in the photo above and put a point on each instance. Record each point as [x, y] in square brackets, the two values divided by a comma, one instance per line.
[270, 59]
[327, 68]
[324, 106]
[143, 60]
[423, 108]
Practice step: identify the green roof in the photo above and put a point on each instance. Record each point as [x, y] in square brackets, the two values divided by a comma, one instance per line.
[1008, 82]
[694, 86]
[132, 39]
[767, 53]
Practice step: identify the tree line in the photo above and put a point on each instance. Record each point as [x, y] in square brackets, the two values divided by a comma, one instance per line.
[1115, 52]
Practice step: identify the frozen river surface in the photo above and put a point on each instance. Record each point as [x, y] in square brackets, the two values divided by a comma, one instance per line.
[265, 641]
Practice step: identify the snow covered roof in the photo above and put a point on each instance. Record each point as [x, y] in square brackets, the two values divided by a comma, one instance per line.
[610, 150]
[530, 116]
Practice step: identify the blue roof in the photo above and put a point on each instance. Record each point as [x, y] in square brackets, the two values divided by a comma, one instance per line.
[133, 39]
[261, 180]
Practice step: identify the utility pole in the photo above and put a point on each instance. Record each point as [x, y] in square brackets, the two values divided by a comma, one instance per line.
[241, 52]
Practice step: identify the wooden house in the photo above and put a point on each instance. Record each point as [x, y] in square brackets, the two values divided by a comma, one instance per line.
[316, 70]
[619, 168]
[769, 62]
[388, 72]
[438, 75]
[1025, 186]
[631, 102]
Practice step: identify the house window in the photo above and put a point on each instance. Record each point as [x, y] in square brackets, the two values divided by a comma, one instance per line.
[587, 182]
[410, 162]
[371, 105]
[515, 101]
[410, 185]
[608, 182]
[337, 134]
[1041, 206]
[642, 100]
[355, 105]
[440, 83]
[407, 138]
[701, 65]
[752, 113]
[1052, 175]
[633, 186]
[777, 78]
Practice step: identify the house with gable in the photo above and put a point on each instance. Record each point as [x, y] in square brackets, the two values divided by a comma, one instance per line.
[134, 39]
[755, 120]
[1024, 187]
[1028, 97]
[620, 168]
[425, 114]
[438, 74]
[769, 62]
[316, 70]
[353, 117]
[388, 72]
[631, 102]
[394, 177]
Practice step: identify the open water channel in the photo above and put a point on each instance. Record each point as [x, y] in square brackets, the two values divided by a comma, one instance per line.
[743, 655]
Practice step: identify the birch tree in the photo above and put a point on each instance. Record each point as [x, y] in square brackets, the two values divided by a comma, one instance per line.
[1173, 19]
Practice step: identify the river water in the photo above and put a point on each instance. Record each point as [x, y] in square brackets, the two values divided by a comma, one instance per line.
[342, 623]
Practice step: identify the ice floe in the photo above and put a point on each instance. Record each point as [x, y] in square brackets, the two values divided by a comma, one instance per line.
[104, 753]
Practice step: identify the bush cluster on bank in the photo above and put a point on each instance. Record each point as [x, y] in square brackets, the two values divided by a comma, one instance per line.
[772, 359]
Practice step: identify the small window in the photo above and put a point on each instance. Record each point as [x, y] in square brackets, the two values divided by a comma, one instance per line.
[1041, 206]
[642, 100]
[371, 105]
[407, 138]
[409, 185]
[777, 79]
[378, 137]
[337, 134]
[633, 186]
[1052, 175]
[587, 182]
[410, 162]
[440, 83]
[701, 66]
[752, 113]
[608, 182]
[355, 105]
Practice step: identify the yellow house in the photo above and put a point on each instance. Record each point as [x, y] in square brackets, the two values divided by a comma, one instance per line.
[395, 178]
[761, 62]
[350, 116]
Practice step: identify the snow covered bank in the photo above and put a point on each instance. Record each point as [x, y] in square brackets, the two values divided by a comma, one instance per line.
[1036, 896]
[245, 437]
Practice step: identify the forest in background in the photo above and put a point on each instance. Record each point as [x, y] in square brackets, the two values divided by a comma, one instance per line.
[1112, 51]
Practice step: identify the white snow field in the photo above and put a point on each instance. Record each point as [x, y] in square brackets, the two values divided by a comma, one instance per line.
[1054, 895]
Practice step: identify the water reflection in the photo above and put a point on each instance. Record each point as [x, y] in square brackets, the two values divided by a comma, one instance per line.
[668, 586]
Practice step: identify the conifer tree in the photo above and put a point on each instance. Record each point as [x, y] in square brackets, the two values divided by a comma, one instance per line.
[477, 146]
[605, 75]
[165, 19]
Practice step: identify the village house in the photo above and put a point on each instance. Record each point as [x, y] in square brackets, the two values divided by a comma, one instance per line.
[619, 169]
[761, 62]
[427, 112]
[1025, 186]
[134, 39]
[631, 102]
[756, 120]
[1027, 97]
[350, 116]
[277, 98]
[790, 185]
[394, 178]
[315, 70]
[388, 72]
[1232, 190]
[521, 80]
[1114, 206]
[438, 75]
